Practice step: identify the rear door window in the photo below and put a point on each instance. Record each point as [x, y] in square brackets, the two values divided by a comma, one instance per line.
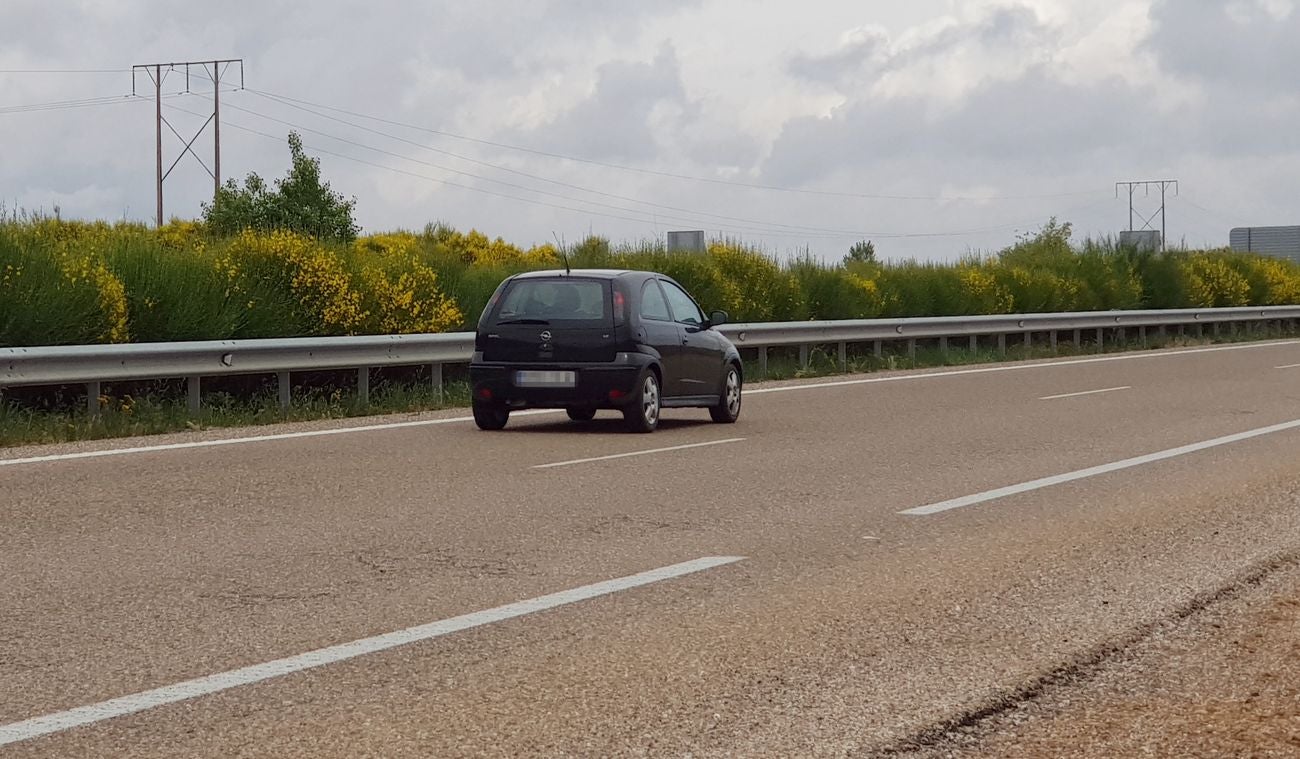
[556, 301]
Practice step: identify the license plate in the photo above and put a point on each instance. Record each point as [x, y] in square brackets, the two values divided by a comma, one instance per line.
[545, 379]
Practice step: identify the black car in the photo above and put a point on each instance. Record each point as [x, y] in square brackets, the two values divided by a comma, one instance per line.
[591, 339]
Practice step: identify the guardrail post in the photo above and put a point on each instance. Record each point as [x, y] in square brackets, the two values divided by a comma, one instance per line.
[1053, 340]
[1121, 335]
[1029, 342]
[844, 356]
[1078, 338]
[1101, 343]
[1002, 343]
[92, 398]
[877, 348]
[363, 385]
[762, 360]
[1215, 329]
[1161, 332]
[194, 389]
[283, 389]
[974, 343]
[1142, 334]
[437, 382]
[943, 346]
[911, 349]
[803, 355]
[1200, 331]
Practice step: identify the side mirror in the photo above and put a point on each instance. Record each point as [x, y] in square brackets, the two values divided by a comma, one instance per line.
[717, 318]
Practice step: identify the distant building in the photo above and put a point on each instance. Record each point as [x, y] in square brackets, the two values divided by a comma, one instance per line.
[1279, 242]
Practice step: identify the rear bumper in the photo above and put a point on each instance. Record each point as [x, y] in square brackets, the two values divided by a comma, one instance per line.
[597, 385]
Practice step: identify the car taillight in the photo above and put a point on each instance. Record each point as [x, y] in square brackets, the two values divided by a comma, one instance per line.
[485, 393]
[619, 303]
[616, 394]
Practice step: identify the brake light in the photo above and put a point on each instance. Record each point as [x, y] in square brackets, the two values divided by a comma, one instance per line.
[485, 393]
[619, 303]
[616, 394]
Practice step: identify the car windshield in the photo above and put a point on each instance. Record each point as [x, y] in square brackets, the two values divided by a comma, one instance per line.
[539, 301]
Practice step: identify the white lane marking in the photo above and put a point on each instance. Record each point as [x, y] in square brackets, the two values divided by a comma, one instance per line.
[203, 686]
[1057, 479]
[639, 453]
[1085, 392]
[252, 439]
[1017, 367]
[1288, 366]
[785, 389]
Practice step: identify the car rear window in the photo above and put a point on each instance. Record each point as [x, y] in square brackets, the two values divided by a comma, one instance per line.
[554, 300]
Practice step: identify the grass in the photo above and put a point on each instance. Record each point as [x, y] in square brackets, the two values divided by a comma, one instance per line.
[163, 410]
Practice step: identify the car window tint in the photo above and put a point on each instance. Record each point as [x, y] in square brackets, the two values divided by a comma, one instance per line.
[653, 305]
[554, 300]
[684, 309]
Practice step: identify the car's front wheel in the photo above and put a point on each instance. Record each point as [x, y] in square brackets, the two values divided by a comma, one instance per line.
[489, 416]
[728, 409]
[642, 414]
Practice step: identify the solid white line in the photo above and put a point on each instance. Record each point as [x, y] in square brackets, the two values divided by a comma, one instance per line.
[757, 391]
[1288, 366]
[251, 439]
[1057, 479]
[1017, 367]
[638, 453]
[203, 686]
[1085, 392]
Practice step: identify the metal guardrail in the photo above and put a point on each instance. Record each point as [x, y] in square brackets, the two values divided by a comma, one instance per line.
[94, 364]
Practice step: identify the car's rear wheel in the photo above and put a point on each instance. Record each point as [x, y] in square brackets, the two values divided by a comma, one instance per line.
[728, 409]
[579, 414]
[489, 416]
[642, 414]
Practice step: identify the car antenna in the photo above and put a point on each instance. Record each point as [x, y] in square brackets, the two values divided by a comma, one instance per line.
[563, 254]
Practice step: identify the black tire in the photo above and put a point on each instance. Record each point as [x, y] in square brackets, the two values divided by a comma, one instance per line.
[490, 416]
[579, 414]
[728, 409]
[642, 414]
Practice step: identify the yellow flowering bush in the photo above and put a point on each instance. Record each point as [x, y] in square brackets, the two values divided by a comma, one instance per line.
[401, 292]
[1213, 283]
[324, 292]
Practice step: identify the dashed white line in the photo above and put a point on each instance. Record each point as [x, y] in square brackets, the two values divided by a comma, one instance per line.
[1288, 366]
[203, 686]
[1084, 392]
[638, 453]
[1057, 479]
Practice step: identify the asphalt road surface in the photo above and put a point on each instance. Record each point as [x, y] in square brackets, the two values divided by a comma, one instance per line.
[858, 567]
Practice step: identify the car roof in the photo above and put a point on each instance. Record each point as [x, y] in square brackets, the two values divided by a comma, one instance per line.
[588, 273]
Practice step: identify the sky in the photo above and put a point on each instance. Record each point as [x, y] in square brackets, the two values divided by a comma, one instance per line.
[934, 128]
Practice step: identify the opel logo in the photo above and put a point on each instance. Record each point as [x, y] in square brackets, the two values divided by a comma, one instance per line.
[546, 336]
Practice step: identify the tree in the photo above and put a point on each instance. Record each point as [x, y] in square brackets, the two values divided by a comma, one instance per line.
[861, 252]
[300, 202]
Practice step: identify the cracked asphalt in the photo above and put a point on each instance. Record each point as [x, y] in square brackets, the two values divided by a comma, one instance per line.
[849, 629]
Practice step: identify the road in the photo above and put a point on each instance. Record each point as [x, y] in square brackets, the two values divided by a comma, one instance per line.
[857, 565]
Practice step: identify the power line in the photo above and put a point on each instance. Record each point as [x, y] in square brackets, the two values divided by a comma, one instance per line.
[672, 175]
[60, 105]
[449, 183]
[538, 178]
[694, 219]
[64, 71]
